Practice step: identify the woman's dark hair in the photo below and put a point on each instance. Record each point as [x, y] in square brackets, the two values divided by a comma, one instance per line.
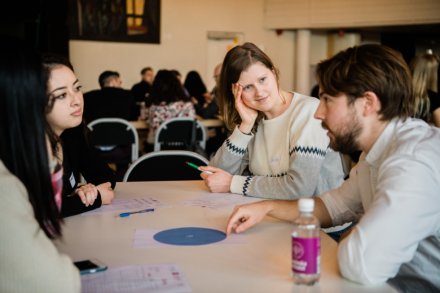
[167, 88]
[195, 86]
[23, 150]
[51, 61]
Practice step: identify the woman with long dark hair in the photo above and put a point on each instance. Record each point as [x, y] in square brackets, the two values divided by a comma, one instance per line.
[68, 136]
[168, 100]
[29, 196]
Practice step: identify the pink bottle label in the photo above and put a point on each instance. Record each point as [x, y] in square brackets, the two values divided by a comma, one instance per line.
[305, 255]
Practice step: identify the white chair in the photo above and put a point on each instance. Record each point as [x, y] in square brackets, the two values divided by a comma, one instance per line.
[165, 166]
[180, 133]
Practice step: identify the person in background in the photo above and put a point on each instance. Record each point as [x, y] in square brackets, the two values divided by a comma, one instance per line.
[216, 76]
[209, 109]
[204, 103]
[217, 135]
[142, 89]
[68, 136]
[277, 149]
[195, 86]
[168, 101]
[425, 80]
[29, 209]
[393, 192]
[110, 101]
[179, 77]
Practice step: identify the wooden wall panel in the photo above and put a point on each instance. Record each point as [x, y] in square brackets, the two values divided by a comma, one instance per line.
[286, 14]
[293, 14]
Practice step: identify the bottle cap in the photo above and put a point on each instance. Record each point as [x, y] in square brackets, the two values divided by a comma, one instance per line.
[306, 204]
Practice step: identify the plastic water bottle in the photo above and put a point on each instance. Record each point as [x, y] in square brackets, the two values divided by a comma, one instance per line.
[306, 244]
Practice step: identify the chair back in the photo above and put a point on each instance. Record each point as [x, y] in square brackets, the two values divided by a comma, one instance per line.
[108, 133]
[180, 134]
[165, 166]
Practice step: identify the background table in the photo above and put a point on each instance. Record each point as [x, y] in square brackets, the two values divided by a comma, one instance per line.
[260, 264]
[143, 125]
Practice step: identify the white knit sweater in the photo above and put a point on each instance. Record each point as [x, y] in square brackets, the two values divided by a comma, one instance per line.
[288, 157]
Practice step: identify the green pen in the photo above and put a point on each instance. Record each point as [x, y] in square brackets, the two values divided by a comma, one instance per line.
[197, 167]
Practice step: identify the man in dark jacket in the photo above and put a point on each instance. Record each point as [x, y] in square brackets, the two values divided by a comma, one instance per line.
[110, 101]
[141, 90]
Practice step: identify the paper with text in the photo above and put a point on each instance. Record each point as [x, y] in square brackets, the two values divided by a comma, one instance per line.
[162, 278]
[127, 205]
[219, 200]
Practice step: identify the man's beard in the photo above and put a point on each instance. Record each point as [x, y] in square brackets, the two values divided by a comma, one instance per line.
[344, 139]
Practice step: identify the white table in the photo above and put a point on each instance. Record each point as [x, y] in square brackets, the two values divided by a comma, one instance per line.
[143, 125]
[260, 264]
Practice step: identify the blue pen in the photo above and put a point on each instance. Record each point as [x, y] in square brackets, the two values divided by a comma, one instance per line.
[126, 214]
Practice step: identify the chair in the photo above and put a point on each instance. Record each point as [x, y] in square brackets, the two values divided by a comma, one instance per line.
[181, 134]
[165, 166]
[115, 139]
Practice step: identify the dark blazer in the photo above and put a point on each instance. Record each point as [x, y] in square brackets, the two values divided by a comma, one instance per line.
[81, 159]
[109, 102]
[141, 90]
[210, 112]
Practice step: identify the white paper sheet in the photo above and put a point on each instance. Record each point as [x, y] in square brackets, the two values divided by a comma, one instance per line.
[162, 278]
[127, 205]
[219, 200]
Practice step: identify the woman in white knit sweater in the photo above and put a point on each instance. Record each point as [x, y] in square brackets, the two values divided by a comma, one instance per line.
[277, 149]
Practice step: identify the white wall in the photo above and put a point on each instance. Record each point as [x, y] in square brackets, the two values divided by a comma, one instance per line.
[184, 43]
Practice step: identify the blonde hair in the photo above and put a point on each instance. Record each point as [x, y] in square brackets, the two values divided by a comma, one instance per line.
[424, 77]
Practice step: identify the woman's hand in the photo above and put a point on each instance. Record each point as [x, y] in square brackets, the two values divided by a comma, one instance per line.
[88, 193]
[107, 193]
[216, 179]
[194, 101]
[208, 99]
[245, 216]
[247, 114]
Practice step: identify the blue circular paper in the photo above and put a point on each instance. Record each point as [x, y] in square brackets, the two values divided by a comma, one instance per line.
[189, 236]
